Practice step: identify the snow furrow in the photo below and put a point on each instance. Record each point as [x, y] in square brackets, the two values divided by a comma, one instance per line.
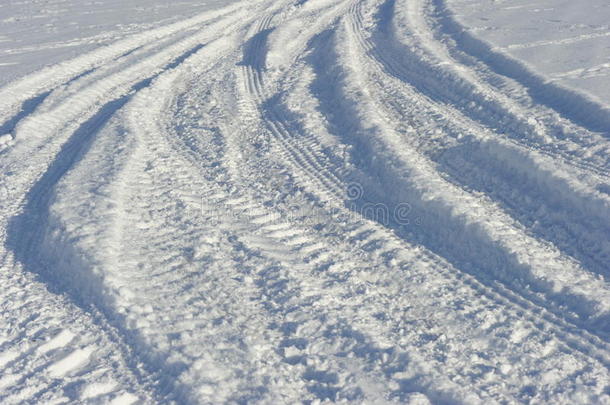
[296, 201]
[315, 173]
[318, 178]
[411, 60]
[594, 339]
[599, 353]
[570, 142]
[578, 208]
[524, 267]
[40, 250]
[318, 379]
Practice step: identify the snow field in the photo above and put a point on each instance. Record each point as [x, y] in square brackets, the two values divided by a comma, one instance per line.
[301, 201]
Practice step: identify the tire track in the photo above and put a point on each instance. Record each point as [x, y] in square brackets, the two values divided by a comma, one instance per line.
[411, 61]
[41, 135]
[577, 210]
[174, 217]
[571, 335]
[573, 144]
[28, 89]
[598, 348]
[397, 67]
[35, 248]
[307, 162]
[149, 264]
[303, 158]
[265, 231]
[577, 307]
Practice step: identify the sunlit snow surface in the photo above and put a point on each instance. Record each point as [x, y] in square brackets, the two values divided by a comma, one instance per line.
[566, 41]
[35, 33]
[304, 201]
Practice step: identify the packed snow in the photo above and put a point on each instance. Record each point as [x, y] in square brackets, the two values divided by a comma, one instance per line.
[566, 42]
[304, 201]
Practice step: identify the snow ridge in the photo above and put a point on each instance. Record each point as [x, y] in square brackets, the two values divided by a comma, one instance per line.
[303, 201]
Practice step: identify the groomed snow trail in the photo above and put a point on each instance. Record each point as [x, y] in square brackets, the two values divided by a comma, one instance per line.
[302, 201]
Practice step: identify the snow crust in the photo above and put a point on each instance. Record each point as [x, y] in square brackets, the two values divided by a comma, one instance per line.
[304, 201]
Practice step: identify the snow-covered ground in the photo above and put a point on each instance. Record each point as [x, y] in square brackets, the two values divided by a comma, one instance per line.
[34, 33]
[286, 201]
[567, 42]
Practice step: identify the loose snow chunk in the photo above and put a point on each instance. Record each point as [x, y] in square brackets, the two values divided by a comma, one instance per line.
[417, 398]
[61, 340]
[96, 389]
[125, 399]
[9, 380]
[5, 141]
[7, 357]
[71, 362]
[126, 293]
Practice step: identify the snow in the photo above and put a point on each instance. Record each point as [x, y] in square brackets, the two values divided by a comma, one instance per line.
[304, 201]
[36, 34]
[559, 50]
[73, 361]
[565, 41]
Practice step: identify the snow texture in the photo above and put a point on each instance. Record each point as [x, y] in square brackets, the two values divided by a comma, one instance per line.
[304, 201]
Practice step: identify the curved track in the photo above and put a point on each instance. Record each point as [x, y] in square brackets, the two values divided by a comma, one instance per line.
[294, 201]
